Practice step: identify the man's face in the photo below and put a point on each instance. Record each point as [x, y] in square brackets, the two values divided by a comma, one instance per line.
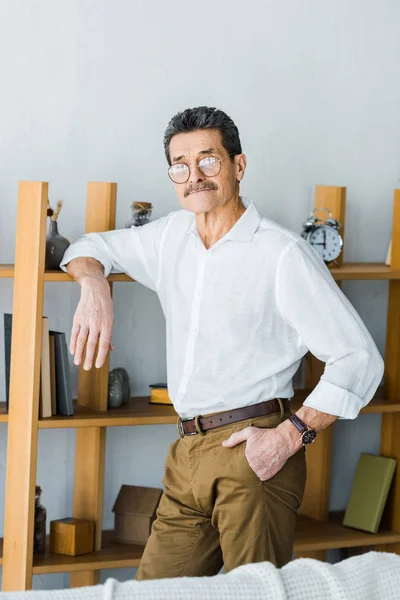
[201, 192]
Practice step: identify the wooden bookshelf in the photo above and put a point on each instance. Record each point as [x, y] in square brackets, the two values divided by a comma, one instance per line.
[317, 531]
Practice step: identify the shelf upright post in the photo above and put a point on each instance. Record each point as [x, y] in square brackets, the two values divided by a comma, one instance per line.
[390, 431]
[24, 385]
[92, 392]
[319, 455]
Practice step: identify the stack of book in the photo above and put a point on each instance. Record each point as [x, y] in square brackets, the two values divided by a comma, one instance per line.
[55, 378]
[159, 394]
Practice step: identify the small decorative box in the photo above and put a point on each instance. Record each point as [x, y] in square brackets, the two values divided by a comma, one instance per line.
[71, 536]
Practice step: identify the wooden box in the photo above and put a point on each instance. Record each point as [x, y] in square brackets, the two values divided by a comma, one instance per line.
[135, 510]
[71, 536]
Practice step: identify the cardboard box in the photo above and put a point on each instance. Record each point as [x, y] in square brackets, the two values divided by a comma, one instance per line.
[71, 536]
[135, 510]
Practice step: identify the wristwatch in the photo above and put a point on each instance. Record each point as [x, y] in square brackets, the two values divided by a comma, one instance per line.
[307, 434]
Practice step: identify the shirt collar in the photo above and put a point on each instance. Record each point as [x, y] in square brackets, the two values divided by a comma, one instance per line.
[244, 228]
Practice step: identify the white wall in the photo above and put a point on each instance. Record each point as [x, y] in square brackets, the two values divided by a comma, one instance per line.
[87, 88]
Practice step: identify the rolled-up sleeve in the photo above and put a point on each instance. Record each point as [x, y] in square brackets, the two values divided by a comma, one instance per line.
[329, 326]
[134, 251]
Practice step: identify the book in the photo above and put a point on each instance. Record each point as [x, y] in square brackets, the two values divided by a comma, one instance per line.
[45, 385]
[388, 259]
[369, 492]
[45, 380]
[63, 375]
[55, 392]
[7, 352]
[53, 375]
[159, 394]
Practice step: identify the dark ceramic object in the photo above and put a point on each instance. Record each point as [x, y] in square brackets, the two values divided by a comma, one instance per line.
[56, 245]
[118, 388]
[39, 533]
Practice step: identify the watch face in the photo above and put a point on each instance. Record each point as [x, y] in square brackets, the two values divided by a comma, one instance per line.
[326, 241]
[309, 436]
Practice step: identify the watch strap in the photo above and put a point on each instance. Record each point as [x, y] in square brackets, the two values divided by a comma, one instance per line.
[298, 423]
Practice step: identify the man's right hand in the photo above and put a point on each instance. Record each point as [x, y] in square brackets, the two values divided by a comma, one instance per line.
[93, 319]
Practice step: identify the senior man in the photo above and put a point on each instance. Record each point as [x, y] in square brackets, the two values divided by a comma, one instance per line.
[244, 299]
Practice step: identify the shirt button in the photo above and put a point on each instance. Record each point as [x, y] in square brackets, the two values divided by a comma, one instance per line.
[195, 331]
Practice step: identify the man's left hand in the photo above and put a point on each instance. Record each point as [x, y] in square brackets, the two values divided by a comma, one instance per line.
[266, 450]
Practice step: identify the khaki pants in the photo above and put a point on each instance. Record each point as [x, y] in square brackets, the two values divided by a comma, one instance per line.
[215, 511]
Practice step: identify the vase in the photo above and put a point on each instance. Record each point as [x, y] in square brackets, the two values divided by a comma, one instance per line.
[141, 213]
[56, 245]
[118, 388]
[39, 533]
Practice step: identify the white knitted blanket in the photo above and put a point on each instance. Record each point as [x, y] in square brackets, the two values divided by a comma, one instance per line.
[371, 576]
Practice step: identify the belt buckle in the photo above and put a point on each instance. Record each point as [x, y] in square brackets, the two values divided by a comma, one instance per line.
[180, 428]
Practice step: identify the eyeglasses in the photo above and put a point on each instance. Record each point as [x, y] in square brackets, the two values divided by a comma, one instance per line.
[209, 166]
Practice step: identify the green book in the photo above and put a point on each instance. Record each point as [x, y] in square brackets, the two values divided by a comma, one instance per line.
[370, 489]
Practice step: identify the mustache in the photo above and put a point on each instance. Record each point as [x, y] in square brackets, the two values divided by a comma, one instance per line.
[207, 185]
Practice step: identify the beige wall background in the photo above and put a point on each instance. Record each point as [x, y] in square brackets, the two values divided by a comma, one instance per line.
[86, 90]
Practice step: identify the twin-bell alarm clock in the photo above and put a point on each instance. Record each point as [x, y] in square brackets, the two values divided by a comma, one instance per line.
[323, 235]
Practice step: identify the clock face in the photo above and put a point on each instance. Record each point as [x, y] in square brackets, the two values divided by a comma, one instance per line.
[309, 436]
[326, 241]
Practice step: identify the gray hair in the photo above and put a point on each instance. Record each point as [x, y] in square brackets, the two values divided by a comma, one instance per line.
[204, 117]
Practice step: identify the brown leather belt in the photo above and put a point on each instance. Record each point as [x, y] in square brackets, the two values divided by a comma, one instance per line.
[202, 424]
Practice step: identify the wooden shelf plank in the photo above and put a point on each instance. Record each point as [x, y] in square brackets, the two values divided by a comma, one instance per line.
[61, 276]
[354, 271]
[378, 404]
[315, 535]
[348, 271]
[7, 271]
[138, 411]
[3, 413]
[311, 535]
[112, 556]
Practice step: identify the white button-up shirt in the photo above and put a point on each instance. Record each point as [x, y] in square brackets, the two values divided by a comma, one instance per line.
[242, 314]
